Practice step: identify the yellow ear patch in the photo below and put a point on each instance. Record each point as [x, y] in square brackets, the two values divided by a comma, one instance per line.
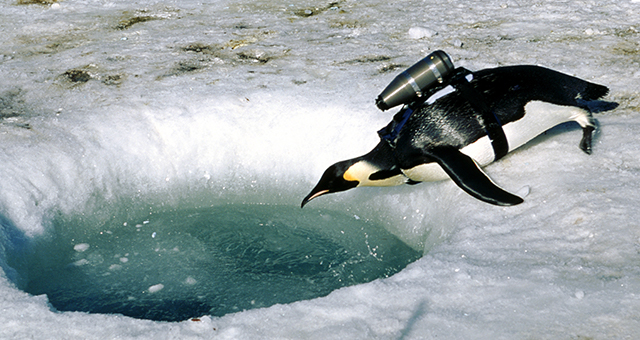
[348, 175]
[358, 172]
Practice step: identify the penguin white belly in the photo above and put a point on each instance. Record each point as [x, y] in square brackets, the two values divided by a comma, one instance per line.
[539, 117]
[428, 172]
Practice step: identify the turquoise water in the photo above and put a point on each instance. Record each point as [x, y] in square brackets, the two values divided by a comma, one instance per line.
[177, 264]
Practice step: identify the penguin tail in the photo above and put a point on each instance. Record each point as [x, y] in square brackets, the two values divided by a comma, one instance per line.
[593, 92]
[589, 98]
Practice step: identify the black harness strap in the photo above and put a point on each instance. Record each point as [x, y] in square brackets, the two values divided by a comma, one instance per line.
[491, 123]
[459, 81]
[390, 132]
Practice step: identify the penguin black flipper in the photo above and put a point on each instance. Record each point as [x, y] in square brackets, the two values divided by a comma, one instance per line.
[466, 173]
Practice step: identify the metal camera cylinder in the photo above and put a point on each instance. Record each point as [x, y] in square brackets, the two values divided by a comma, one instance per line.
[410, 84]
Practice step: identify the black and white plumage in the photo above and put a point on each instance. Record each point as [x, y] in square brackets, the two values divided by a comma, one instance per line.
[446, 136]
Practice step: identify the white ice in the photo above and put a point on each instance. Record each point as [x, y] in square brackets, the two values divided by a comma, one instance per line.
[249, 101]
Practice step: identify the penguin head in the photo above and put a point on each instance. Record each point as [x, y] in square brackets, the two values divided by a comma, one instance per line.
[353, 173]
[335, 179]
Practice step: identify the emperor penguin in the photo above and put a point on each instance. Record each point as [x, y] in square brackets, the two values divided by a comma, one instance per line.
[447, 136]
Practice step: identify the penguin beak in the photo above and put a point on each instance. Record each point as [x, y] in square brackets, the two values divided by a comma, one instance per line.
[313, 195]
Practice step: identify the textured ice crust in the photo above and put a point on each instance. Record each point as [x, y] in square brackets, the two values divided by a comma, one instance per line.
[247, 102]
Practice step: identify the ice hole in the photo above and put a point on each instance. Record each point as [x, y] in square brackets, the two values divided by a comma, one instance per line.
[184, 263]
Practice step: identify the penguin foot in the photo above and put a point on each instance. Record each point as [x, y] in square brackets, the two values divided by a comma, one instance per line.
[585, 142]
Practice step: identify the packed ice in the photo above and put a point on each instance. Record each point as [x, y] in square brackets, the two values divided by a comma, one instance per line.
[113, 115]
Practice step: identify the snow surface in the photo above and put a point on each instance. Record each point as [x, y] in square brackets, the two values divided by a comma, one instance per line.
[247, 102]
